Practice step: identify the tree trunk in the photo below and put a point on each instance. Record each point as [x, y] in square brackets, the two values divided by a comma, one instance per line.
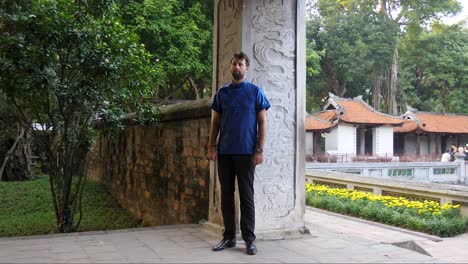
[338, 87]
[376, 88]
[15, 165]
[195, 88]
[391, 86]
[386, 90]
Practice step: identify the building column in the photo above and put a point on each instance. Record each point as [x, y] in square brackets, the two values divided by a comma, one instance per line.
[418, 145]
[315, 140]
[272, 34]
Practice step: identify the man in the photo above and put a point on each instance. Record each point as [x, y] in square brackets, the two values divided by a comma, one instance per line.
[239, 117]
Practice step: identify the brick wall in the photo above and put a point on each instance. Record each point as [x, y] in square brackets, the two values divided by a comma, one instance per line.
[160, 174]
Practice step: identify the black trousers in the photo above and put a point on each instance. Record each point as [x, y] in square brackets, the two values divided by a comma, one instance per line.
[230, 166]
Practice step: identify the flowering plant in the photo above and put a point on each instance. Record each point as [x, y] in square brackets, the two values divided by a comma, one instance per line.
[421, 215]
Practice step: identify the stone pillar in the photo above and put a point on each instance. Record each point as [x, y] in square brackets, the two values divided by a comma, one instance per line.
[272, 34]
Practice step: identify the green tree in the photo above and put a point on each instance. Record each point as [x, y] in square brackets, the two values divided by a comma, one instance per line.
[356, 40]
[405, 14]
[434, 69]
[360, 38]
[179, 35]
[64, 65]
[314, 92]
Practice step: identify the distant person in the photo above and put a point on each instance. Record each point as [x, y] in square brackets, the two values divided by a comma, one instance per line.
[460, 154]
[445, 156]
[453, 150]
[466, 153]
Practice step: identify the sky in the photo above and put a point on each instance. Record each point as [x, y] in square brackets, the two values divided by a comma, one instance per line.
[463, 14]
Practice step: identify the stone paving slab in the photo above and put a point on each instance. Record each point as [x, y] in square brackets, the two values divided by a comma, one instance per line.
[450, 249]
[169, 246]
[333, 240]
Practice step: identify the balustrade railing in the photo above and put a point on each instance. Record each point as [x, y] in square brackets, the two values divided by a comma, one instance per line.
[387, 157]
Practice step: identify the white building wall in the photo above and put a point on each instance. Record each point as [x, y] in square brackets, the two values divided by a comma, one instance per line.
[347, 139]
[331, 141]
[382, 141]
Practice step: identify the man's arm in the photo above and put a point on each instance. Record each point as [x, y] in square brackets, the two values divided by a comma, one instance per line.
[262, 124]
[214, 131]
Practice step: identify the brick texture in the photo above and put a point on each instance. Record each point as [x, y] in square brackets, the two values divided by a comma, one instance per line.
[159, 174]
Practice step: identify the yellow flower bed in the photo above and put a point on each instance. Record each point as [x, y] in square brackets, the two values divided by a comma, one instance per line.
[424, 207]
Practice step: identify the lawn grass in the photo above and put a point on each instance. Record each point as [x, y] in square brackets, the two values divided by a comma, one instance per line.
[26, 209]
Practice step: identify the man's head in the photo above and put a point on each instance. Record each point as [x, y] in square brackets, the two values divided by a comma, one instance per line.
[239, 66]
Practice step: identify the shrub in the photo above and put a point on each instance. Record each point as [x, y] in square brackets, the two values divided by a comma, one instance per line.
[424, 216]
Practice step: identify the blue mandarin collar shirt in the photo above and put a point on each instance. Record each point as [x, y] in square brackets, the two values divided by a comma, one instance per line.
[238, 105]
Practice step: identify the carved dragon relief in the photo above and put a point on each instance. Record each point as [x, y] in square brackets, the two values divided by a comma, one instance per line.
[274, 51]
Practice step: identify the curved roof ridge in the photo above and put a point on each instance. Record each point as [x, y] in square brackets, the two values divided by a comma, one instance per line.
[364, 103]
[439, 113]
[322, 120]
[359, 98]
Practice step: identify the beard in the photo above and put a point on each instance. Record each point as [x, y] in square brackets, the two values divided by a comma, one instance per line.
[237, 75]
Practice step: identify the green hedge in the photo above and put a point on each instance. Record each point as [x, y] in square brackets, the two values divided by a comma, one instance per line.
[446, 224]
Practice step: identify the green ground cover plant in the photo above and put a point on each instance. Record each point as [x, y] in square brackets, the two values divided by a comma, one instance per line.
[424, 216]
[26, 209]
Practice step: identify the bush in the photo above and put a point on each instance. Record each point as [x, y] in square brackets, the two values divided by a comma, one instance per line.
[423, 216]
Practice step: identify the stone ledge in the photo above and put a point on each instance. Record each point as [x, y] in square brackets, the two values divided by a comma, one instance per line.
[372, 223]
[182, 111]
[460, 191]
[455, 194]
[187, 110]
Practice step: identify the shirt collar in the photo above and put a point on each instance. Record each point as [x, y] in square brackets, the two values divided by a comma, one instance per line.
[235, 85]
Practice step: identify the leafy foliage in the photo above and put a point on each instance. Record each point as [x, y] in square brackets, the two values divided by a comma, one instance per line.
[427, 216]
[65, 64]
[356, 39]
[359, 39]
[434, 69]
[179, 35]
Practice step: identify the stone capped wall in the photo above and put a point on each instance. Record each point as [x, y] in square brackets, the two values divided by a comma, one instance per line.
[159, 174]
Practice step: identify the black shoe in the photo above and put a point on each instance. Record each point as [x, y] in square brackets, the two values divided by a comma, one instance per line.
[250, 248]
[225, 243]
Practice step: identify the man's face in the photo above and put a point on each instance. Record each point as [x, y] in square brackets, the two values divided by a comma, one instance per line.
[238, 69]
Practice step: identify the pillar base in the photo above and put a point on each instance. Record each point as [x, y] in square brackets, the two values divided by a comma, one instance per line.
[274, 234]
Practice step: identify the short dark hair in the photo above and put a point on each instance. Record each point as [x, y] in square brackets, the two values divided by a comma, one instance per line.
[241, 56]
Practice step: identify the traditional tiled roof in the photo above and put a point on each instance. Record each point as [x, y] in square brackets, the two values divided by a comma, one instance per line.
[356, 111]
[321, 121]
[408, 126]
[353, 111]
[427, 122]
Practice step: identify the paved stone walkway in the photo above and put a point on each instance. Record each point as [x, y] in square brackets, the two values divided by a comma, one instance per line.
[334, 239]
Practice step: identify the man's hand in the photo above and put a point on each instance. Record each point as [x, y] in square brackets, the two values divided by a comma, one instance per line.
[257, 158]
[212, 153]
